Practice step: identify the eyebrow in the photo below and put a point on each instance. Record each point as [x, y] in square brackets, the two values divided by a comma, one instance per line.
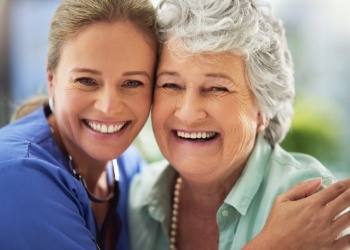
[168, 73]
[85, 70]
[142, 73]
[96, 72]
[209, 75]
[219, 75]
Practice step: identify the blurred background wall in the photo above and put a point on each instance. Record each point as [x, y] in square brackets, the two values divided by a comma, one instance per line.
[318, 33]
[24, 26]
[4, 62]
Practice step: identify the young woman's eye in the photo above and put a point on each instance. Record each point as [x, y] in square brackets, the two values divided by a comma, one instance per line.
[132, 84]
[86, 81]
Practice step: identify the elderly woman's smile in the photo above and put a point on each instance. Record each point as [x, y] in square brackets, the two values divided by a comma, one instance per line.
[196, 136]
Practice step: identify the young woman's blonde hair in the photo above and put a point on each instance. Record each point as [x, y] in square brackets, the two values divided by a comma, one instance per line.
[72, 16]
[29, 106]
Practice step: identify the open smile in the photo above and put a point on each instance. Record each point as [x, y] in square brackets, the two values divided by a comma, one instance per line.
[202, 136]
[104, 128]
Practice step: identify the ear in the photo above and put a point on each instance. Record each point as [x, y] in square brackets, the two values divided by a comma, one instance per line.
[263, 122]
[50, 81]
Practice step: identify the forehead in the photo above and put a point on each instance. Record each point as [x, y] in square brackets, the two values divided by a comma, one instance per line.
[186, 63]
[104, 45]
[116, 31]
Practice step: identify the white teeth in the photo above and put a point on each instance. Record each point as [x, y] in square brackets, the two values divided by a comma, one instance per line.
[103, 128]
[110, 129]
[198, 135]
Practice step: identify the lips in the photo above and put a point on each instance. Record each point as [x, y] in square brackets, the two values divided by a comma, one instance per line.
[105, 128]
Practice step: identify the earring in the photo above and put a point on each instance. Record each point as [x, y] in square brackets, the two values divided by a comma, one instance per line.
[261, 128]
[51, 104]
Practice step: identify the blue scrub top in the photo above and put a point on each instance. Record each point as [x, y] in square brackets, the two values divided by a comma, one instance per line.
[42, 206]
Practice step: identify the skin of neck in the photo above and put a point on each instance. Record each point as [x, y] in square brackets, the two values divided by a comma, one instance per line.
[93, 171]
[208, 194]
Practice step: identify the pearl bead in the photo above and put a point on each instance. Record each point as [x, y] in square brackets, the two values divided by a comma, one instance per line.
[175, 214]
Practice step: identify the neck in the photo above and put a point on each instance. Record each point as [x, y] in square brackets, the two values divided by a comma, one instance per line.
[92, 172]
[99, 188]
[193, 224]
[208, 193]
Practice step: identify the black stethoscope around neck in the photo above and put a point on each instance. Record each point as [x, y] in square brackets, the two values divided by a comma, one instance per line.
[112, 179]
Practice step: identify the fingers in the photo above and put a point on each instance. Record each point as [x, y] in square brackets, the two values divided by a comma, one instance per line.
[342, 243]
[301, 190]
[333, 192]
[339, 204]
[326, 213]
[341, 223]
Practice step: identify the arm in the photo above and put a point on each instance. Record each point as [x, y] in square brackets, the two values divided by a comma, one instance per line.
[300, 220]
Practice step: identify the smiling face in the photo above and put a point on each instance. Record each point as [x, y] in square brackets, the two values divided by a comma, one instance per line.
[204, 116]
[102, 89]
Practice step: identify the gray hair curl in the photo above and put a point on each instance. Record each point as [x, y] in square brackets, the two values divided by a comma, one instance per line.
[244, 27]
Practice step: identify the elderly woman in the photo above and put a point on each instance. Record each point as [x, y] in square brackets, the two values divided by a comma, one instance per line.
[222, 103]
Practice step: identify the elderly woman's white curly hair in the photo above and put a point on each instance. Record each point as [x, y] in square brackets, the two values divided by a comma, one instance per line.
[244, 27]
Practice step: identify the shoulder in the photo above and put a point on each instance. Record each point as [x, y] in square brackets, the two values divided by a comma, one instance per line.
[17, 138]
[145, 181]
[149, 201]
[32, 192]
[288, 168]
[35, 177]
[29, 124]
[30, 161]
[298, 161]
[35, 186]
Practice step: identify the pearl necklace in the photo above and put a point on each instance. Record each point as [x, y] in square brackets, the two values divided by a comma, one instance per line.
[175, 213]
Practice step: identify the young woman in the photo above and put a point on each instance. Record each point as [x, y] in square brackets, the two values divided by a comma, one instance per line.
[60, 185]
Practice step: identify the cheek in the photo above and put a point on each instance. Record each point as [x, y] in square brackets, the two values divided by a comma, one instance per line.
[156, 118]
[68, 110]
[74, 101]
[162, 105]
[240, 123]
[141, 105]
[159, 118]
[244, 110]
[246, 125]
[239, 141]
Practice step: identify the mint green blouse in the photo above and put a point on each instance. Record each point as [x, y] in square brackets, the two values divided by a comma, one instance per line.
[268, 172]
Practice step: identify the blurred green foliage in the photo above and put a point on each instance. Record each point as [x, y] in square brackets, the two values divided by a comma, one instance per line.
[316, 130]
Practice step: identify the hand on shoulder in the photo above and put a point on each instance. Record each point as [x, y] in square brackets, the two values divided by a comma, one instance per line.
[303, 219]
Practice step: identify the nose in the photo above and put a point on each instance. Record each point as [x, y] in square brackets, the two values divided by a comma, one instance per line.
[190, 107]
[109, 101]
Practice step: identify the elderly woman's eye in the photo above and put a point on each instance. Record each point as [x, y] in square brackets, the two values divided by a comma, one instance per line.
[217, 89]
[86, 81]
[171, 86]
